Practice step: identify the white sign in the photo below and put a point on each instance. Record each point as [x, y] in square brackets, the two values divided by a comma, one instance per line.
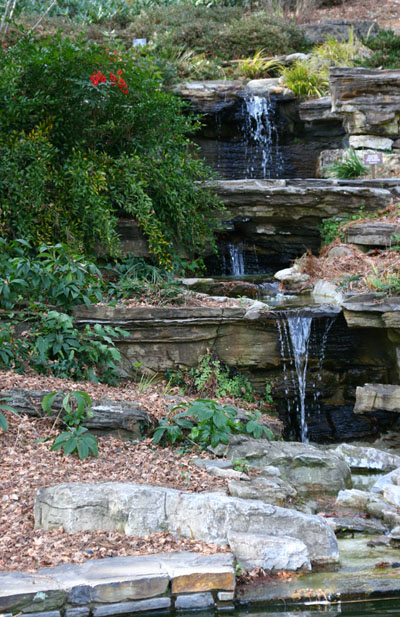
[373, 158]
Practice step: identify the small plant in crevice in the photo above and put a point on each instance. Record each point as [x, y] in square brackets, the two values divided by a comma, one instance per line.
[206, 423]
[351, 166]
[213, 378]
[74, 411]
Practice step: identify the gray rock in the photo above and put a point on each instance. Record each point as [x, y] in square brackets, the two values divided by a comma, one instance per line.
[272, 490]
[338, 29]
[378, 397]
[269, 552]
[194, 601]
[361, 457]
[226, 596]
[346, 524]
[128, 608]
[370, 141]
[339, 251]
[391, 494]
[303, 466]
[78, 611]
[387, 480]
[46, 614]
[372, 233]
[140, 510]
[353, 498]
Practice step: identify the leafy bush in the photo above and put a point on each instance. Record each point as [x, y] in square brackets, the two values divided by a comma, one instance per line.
[53, 275]
[386, 48]
[52, 345]
[349, 167]
[305, 79]
[309, 77]
[93, 134]
[73, 413]
[207, 423]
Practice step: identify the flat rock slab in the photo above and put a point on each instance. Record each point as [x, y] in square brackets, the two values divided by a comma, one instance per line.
[141, 509]
[108, 415]
[363, 457]
[305, 467]
[116, 580]
[372, 233]
[378, 397]
[356, 524]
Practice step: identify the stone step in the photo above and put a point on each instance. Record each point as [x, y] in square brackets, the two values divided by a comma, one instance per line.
[121, 585]
[372, 234]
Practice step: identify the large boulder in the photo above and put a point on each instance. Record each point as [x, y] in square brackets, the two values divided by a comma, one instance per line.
[307, 468]
[140, 510]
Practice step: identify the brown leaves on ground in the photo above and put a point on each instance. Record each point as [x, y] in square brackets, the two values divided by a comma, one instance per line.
[355, 270]
[385, 12]
[26, 466]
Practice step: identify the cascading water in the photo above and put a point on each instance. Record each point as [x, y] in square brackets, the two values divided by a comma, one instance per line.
[263, 154]
[295, 328]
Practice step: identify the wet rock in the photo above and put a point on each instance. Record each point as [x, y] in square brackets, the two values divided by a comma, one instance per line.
[269, 552]
[303, 466]
[361, 457]
[140, 510]
[210, 96]
[355, 524]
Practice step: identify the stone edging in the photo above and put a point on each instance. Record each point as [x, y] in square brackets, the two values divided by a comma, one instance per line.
[122, 585]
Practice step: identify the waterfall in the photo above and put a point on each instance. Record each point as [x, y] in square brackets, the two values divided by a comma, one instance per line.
[261, 137]
[295, 329]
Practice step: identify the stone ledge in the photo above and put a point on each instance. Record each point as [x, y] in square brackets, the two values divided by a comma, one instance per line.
[118, 586]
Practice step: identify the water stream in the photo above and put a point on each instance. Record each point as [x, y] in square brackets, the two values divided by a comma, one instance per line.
[263, 154]
[295, 328]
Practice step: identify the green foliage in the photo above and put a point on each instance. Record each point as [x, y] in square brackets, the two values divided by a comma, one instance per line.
[212, 378]
[51, 275]
[386, 283]
[305, 80]
[309, 77]
[94, 135]
[6, 407]
[240, 464]
[207, 423]
[85, 11]
[349, 167]
[330, 230]
[258, 66]
[74, 411]
[51, 345]
[194, 26]
[386, 48]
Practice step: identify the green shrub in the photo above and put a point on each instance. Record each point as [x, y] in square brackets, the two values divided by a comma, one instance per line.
[51, 345]
[305, 79]
[207, 423]
[73, 413]
[386, 48]
[53, 275]
[94, 135]
[349, 167]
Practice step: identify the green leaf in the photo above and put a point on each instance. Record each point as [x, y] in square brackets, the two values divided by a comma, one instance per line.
[83, 449]
[48, 400]
[3, 422]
